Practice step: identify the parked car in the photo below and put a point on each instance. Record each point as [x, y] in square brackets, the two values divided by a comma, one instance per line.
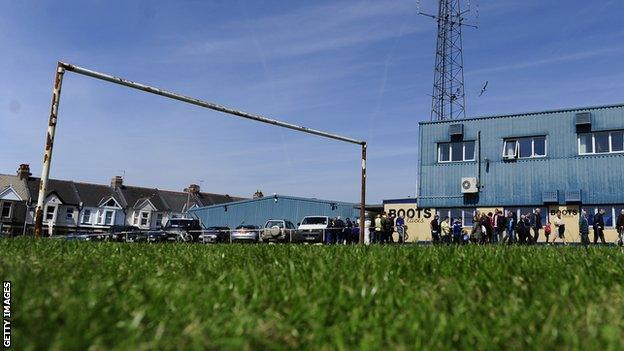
[312, 229]
[80, 237]
[278, 230]
[246, 233]
[215, 235]
[177, 229]
[136, 237]
[118, 232]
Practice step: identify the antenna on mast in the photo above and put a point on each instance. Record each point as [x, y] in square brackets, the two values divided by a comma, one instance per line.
[448, 101]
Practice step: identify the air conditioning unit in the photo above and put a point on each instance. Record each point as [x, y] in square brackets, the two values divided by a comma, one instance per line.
[469, 185]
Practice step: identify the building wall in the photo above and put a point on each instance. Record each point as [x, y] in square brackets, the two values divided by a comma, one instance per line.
[258, 211]
[521, 182]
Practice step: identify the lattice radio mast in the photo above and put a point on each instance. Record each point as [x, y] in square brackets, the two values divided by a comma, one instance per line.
[448, 99]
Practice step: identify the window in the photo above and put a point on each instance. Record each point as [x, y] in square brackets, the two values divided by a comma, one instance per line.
[159, 219]
[466, 215]
[69, 214]
[86, 216]
[108, 217]
[50, 210]
[529, 147]
[601, 142]
[607, 217]
[6, 209]
[444, 152]
[456, 152]
[144, 219]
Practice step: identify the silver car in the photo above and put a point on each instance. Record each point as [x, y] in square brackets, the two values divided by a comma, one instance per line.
[246, 233]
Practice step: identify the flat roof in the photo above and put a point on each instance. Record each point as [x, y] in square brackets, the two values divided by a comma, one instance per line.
[573, 109]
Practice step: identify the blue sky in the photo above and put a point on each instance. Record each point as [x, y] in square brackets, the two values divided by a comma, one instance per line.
[359, 68]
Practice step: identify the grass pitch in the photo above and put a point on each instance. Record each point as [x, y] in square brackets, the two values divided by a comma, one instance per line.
[102, 296]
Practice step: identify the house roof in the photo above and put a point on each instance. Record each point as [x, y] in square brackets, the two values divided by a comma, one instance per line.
[18, 185]
[134, 196]
[92, 195]
[64, 189]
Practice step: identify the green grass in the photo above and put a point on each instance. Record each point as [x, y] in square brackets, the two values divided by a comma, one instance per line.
[101, 296]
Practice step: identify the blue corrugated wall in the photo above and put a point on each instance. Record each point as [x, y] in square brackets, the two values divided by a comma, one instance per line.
[258, 211]
[521, 183]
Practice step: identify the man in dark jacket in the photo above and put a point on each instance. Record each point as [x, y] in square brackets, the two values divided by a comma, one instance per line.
[339, 224]
[389, 229]
[523, 229]
[584, 228]
[599, 226]
[435, 229]
[487, 222]
[537, 224]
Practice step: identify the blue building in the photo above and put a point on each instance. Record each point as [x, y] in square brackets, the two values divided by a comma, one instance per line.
[258, 211]
[560, 160]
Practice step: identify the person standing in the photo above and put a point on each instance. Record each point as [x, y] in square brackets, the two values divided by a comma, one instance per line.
[619, 225]
[599, 226]
[560, 225]
[435, 229]
[522, 229]
[583, 228]
[501, 225]
[446, 230]
[547, 232]
[495, 227]
[400, 228]
[434, 225]
[537, 224]
[457, 231]
[389, 229]
[340, 231]
[377, 231]
[347, 230]
[510, 237]
[487, 222]
[476, 235]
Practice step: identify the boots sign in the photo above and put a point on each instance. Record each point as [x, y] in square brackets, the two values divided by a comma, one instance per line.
[412, 215]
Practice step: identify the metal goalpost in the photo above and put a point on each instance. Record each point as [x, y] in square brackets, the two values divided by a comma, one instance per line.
[62, 67]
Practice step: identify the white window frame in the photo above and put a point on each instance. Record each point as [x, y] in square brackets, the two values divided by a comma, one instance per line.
[141, 218]
[450, 146]
[159, 219]
[112, 217]
[86, 214]
[593, 143]
[46, 212]
[516, 154]
[10, 209]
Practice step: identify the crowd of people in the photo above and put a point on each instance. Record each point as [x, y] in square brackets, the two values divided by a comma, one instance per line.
[497, 227]
[491, 228]
[342, 232]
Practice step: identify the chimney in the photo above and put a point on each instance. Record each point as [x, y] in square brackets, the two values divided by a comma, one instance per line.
[23, 172]
[117, 182]
[193, 189]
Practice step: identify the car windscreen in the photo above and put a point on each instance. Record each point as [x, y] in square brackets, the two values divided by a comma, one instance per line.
[271, 224]
[218, 228]
[314, 220]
